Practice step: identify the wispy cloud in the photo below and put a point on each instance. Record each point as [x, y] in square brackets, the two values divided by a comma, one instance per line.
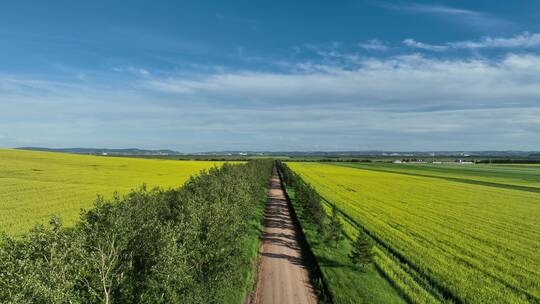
[424, 46]
[374, 45]
[480, 20]
[438, 9]
[399, 83]
[523, 40]
[132, 70]
[401, 102]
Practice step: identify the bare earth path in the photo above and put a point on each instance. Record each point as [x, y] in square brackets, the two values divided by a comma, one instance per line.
[282, 275]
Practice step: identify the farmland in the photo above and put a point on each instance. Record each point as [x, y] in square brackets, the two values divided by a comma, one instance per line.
[36, 185]
[443, 234]
[514, 176]
[192, 244]
[443, 239]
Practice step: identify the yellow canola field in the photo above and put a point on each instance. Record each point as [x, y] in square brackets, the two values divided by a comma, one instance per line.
[471, 243]
[36, 185]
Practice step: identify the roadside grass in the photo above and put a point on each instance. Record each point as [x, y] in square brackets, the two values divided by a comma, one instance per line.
[346, 282]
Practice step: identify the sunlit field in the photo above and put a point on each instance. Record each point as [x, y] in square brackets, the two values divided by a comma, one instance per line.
[517, 176]
[439, 239]
[36, 185]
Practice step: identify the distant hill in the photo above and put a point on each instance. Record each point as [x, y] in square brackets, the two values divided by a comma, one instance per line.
[331, 154]
[379, 153]
[98, 151]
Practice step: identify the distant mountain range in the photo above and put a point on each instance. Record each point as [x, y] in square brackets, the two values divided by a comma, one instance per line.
[142, 152]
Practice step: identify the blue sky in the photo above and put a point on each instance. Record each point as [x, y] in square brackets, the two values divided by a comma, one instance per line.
[273, 75]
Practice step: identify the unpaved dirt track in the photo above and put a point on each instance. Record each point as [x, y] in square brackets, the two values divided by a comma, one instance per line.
[282, 275]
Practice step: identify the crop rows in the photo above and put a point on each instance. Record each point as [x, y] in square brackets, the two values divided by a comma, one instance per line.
[524, 176]
[469, 243]
[36, 185]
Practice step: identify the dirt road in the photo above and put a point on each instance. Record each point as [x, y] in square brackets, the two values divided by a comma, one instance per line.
[282, 274]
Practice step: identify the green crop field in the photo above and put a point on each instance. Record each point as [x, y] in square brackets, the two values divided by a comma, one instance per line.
[36, 185]
[443, 239]
[514, 176]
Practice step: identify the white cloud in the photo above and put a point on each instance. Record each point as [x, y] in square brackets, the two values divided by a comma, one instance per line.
[374, 45]
[424, 46]
[441, 9]
[132, 70]
[523, 40]
[479, 20]
[400, 82]
[406, 102]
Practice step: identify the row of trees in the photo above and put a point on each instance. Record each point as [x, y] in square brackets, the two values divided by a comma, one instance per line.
[328, 226]
[150, 246]
[306, 196]
[310, 202]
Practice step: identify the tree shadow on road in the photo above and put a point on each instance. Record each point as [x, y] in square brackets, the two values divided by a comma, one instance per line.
[294, 260]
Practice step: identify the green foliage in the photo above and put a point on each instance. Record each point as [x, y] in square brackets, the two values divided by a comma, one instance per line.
[345, 282]
[331, 249]
[470, 229]
[361, 253]
[150, 246]
[334, 230]
[307, 197]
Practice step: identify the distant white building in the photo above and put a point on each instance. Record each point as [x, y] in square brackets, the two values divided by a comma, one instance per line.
[397, 161]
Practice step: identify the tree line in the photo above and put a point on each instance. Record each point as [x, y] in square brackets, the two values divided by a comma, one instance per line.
[329, 226]
[180, 245]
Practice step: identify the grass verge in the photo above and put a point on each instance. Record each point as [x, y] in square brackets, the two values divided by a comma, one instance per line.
[346, 283]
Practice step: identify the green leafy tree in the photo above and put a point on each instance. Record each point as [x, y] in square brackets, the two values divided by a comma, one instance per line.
[150, 246]
[361, 254]
[334, 231]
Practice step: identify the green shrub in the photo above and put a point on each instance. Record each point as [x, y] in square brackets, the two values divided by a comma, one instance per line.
[149, 246]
